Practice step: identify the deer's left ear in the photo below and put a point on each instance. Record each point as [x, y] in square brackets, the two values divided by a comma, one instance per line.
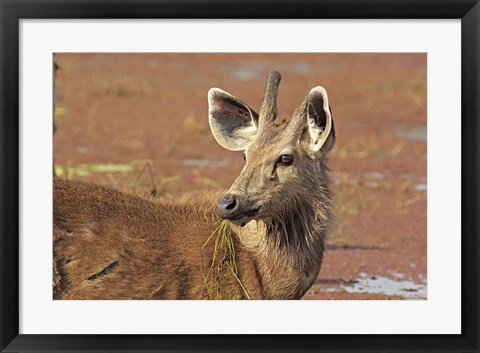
[234, 124]
[320, 122]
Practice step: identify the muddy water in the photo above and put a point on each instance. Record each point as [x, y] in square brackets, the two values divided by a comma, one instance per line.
[397, 287]
[139, 121]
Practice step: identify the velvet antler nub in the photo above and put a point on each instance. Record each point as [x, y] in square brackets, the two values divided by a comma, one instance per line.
[268, 112]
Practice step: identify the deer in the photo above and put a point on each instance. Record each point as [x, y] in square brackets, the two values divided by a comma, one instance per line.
[111, 244]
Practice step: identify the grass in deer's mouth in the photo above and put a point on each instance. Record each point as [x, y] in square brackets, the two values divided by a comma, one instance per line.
[223, 259]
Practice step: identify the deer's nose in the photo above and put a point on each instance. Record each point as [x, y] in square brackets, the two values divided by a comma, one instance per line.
[227, 205]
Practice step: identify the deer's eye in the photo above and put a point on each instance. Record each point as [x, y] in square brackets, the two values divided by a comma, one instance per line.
[286, 159]
[244, 157]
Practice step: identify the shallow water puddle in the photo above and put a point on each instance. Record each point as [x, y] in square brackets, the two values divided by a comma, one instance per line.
[412, 133]
[421, 187]
[374, 175]
[401, 286]
[212, 164]
[252, 70]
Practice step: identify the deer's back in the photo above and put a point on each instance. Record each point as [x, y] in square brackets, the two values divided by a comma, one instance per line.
[113, 245]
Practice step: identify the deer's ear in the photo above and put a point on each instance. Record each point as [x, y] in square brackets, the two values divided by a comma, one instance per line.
[320, 122]
[234, 124]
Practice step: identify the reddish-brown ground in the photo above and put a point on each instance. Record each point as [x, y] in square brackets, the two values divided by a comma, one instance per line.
[149, 112]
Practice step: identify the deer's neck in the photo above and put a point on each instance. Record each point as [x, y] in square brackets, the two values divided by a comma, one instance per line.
[289, 250]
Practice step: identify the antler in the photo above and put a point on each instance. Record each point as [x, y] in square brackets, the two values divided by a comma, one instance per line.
[268, 112]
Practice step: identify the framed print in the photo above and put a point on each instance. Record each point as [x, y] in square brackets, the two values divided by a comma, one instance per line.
[213, 161]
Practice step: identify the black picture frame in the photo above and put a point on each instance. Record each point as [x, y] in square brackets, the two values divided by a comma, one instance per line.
[13, 11]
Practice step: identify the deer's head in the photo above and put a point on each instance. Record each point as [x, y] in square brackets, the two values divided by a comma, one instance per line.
[283, 161]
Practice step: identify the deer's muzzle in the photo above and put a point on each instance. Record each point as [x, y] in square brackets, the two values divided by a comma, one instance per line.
[230, 207]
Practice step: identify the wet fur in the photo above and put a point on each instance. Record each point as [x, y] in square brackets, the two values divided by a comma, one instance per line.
[155, 244]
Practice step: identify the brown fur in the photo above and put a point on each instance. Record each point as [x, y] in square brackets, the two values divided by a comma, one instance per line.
[114, 245]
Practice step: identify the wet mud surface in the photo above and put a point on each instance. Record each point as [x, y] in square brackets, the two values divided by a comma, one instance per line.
[139, 122]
